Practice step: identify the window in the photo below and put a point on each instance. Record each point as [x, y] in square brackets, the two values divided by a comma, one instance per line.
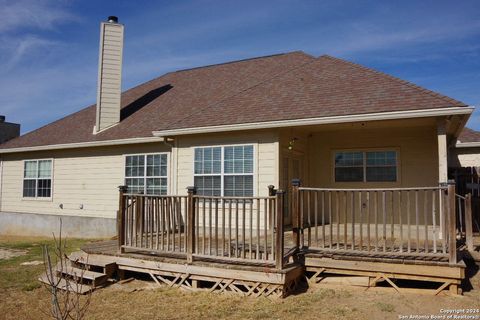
[146, 174]
[37, 179]
[371, 166]
[348, 166]
[226, 171]
[381, 166]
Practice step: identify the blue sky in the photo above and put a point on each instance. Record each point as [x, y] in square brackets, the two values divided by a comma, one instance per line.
[49, 49]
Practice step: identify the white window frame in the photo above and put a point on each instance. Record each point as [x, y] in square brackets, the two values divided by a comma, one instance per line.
[222, 173]
[36, 179]
[145, 169]
[364, 154]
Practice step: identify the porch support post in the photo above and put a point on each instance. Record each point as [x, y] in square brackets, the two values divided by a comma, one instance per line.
[279, 229]
[451, 224]
[442, 152]
[296, 212]
[121, 218]
[190, 223]
[442, 166]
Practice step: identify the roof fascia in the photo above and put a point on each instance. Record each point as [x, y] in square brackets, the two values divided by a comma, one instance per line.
[83, 144]
[322, 120]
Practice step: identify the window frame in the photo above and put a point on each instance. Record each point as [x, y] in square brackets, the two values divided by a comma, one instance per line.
[37, 198]
[145, 154]
[222, 173]
[364, 153]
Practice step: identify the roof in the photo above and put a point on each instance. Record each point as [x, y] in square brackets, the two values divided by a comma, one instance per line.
[469, 135]
[279, 87]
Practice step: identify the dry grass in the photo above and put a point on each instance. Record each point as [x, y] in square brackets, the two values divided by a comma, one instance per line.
[137, 299]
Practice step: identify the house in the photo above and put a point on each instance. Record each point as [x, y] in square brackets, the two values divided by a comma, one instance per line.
[467, 149]
[8, 130]
[231, 130]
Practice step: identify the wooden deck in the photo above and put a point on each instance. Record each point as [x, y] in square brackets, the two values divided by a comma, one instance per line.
[239, 277]
[241, 245]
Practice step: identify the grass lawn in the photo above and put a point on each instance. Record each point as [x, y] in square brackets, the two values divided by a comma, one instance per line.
[22, 297]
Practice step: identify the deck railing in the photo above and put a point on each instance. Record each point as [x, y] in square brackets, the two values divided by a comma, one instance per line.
[465, 219]
[153, 223]
[395, 221]
[226, 229]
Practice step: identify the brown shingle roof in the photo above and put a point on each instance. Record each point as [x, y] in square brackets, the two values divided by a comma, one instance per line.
[279, 87]
[469, 135]
[324, 87]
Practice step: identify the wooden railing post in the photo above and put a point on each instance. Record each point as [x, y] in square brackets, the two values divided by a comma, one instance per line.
[121, 218]
[296, 225]
[190, 223]
[451, 224]
[279, 229]
[468, 222]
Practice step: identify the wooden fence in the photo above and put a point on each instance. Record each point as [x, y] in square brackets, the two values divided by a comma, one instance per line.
[225, 229]
[400, 221]
[464, 219]
[467, 181]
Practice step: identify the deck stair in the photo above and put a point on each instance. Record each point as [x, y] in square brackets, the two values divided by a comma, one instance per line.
[95, 279]
[81, 274]
[67, 285]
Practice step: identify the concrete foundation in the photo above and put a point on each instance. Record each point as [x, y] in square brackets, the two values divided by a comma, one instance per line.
[43, 225]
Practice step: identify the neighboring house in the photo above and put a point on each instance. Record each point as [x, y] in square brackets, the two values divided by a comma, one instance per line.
[229, 129]
[467, 150]
[8, 130]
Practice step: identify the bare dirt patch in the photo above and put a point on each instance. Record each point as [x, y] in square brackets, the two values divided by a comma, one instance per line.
[6, 253]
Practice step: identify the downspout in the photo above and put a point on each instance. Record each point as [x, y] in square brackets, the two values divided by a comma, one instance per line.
[172, 143]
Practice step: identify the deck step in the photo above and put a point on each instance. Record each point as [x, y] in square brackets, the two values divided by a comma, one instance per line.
[81, 259]
[89, 259]
[96, 278]
[68, 286]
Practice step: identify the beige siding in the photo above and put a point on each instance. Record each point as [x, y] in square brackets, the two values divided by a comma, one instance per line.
[266, 156]
[87, 177]
[414, 140]
[90, 177]
[416, 146]
[109, 75]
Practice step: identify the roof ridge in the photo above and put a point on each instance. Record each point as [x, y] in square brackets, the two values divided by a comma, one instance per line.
[242, 60]
[242, 91]
[396, 79]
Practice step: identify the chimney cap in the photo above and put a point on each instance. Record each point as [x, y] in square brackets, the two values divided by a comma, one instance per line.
[112, 19]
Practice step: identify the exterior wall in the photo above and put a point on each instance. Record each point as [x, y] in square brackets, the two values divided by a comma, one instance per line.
[464, 157]
[84, 182]
[416, 147]
[417, 156]
[266, 157]
[38, 225]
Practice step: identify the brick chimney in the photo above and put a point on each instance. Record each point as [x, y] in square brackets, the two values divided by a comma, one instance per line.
[109, 74]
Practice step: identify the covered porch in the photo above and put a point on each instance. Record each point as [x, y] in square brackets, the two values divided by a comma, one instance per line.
[372, 199]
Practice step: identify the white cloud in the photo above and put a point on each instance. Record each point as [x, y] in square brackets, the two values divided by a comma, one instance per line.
[21, 47]
[42, 14]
